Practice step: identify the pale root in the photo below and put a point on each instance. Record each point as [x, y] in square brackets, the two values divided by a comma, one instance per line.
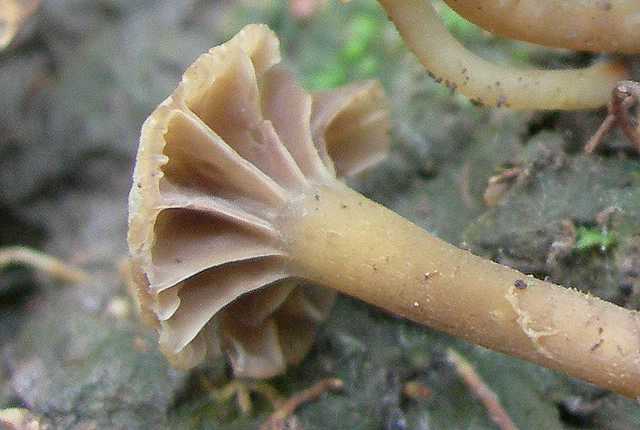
[40, 261]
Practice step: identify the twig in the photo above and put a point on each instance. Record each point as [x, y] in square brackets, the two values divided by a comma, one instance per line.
[623, 97]
[38, 260]
[277, 420]
[465, 186]
[499, 184]
[481, 391]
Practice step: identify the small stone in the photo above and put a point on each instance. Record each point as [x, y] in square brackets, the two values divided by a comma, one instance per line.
[119, 308]
[520, 284]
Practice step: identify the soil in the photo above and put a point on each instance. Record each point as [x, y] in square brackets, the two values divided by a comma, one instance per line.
[76, 85]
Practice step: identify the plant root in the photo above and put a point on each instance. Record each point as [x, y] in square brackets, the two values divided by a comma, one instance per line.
[242, 389]
[278, 420]
[40, 261]
[624, 96]
[481, 391]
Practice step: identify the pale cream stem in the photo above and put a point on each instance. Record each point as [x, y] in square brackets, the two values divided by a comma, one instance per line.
[491, 84]
[598, 26]
[342, 240]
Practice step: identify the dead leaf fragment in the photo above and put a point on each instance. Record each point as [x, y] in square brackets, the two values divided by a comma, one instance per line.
[19, 419]
[13, 14]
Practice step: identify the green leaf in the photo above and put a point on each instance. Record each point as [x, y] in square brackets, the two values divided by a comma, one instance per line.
[591, 238]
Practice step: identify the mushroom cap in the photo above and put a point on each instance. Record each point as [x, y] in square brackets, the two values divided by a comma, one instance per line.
[218, 161]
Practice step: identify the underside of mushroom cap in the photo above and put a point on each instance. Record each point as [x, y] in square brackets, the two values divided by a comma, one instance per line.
[218, 161]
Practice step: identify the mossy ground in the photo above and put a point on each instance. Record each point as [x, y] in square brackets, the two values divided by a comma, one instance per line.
[76, 90]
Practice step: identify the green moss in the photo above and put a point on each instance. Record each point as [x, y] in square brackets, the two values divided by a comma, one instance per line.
[362, 30]
[588, 238]
[358, 56]
[329, 77]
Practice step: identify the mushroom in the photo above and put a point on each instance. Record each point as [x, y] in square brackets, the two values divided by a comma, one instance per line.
[237, 209]
[497, 85]
[598, 26]
[219, 162]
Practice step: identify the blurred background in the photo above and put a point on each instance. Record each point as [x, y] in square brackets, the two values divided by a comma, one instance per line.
[78, 78]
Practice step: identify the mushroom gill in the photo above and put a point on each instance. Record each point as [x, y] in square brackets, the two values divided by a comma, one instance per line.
[218, 161]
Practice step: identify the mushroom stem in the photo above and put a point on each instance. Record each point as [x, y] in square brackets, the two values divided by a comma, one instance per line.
[340, 239]
[496, 85]
[599, 26]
